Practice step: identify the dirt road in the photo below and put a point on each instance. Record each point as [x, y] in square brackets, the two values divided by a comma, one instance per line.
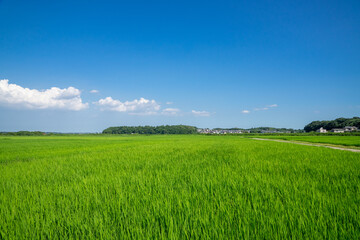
[310, 144]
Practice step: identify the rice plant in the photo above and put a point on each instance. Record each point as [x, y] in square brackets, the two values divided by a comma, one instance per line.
[175, 187]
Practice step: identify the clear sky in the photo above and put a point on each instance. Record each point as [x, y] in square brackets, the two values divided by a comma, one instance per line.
[82, 66]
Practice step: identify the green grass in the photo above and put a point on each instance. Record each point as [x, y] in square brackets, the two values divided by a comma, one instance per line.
[175, 187]
[336, 140]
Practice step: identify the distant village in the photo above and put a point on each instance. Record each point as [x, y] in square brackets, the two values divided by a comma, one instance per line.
[272, 130]
[242, 131]
[338, 130]
[222, 131]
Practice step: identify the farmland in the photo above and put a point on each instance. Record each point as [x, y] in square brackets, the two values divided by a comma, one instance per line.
[335, 140]
[179, 186]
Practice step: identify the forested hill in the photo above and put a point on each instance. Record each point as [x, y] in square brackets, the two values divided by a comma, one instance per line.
[337, 123]
[174, 129]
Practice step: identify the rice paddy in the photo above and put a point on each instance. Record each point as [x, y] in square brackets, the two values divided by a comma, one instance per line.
[335, 140]
[175, 187]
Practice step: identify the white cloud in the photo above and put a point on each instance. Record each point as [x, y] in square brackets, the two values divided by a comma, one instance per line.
[136, 107]
[261, 109]
[94, 91]
[171, 111]
[266, 108]
[13, 95]
[201, 113]
[168, 103]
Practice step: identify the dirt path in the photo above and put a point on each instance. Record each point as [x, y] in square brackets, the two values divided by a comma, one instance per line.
[309, 144]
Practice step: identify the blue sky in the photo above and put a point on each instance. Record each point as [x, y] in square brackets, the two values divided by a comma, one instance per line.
[202, 63]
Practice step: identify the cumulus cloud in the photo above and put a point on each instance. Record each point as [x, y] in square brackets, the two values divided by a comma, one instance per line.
[13, 95]
[94, 91]
[201, 113]
[136, 107]
[245, 111]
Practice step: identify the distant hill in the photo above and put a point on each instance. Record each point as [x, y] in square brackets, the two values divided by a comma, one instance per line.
[337, 123]
[165, 129]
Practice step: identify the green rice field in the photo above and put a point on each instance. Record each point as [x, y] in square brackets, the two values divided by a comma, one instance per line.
[335, 140]
[176, 187]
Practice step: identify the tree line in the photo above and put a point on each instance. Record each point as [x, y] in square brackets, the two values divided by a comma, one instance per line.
[23, 133]
[337, 123]
[164, 129]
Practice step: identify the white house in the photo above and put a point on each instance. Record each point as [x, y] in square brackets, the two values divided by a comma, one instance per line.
[321, 130]
[350, 129]
[337, 130]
